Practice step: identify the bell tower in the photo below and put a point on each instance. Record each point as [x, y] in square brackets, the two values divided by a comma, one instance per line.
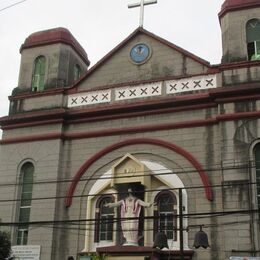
[240, 26]
[50, 59]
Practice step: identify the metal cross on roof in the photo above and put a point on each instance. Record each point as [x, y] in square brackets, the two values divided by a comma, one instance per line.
[142, 3]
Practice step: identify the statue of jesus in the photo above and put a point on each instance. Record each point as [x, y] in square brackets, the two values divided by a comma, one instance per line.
[130, 208]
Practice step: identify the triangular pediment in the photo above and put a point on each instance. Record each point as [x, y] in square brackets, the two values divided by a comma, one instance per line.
[127, 164]
[120, 68]
[129, 170]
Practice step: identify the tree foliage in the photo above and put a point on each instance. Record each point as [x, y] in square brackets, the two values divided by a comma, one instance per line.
[5, 245]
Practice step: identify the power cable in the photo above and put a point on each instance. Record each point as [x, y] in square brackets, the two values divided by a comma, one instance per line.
[89, 227]
[159, 172]
[12, 5]
[187, 215]
[145, 191]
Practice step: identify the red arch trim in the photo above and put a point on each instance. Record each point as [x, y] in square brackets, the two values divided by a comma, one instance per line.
[168, 145]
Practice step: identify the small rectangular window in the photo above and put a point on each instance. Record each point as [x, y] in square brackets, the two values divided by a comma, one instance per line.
[258, 47]
[24, 214]
[22, 236]
[250, 50]
[106, 228]
[253, 49]
[166, 224]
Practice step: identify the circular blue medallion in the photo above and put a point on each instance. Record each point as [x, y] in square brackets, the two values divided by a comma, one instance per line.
[140, 53]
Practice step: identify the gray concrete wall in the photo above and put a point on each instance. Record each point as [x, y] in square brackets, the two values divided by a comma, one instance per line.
[221, 149]
[45, 157]
[247, 75]
[164, 62]
[215, 147]
[36, 103]
[60, 61]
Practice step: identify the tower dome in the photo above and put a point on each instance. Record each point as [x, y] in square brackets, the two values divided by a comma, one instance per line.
[235, 5]
[52, 36]
[50, 59]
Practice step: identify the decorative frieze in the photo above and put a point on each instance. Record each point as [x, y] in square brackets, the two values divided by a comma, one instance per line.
[89, 98]
[143, 91]
[140, 91]
[191, 84]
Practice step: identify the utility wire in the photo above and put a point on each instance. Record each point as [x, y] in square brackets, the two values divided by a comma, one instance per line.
[120, 230]
[133, 175]
[136, 192]
[12, 5]
[205, 214]
[90, 227]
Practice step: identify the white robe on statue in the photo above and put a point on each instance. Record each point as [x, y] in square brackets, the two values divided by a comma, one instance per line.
[130, 208]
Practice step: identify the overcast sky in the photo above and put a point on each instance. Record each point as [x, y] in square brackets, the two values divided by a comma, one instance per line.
[99, 25]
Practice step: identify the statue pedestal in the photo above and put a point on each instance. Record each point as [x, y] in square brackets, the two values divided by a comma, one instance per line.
[142, 253]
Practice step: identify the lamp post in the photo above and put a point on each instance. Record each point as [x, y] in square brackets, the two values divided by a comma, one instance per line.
[181, 224]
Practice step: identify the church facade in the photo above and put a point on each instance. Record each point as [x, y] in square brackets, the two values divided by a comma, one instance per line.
[183, 135]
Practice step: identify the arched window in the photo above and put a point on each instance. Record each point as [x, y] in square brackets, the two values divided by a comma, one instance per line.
[253, 39]
[104, 220]
[39, 74]
[77, 72]
[165, 214]
[257, 167]
[27, 171]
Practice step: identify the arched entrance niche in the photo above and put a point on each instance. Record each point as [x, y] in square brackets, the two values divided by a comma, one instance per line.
[137, 141]
[164, 184]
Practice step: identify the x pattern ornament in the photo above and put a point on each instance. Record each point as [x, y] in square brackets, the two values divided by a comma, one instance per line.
[89, 98]
[191, 84]
[143, 91]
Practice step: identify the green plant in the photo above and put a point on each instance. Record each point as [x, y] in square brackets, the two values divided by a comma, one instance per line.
[5, 245]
